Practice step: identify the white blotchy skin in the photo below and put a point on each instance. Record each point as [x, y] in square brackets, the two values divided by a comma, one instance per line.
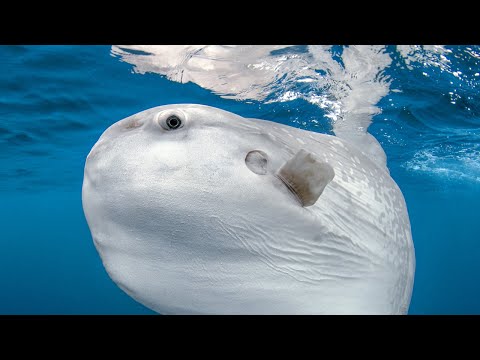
[185, 227]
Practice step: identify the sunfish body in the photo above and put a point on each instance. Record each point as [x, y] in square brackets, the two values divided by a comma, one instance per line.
[197, 210]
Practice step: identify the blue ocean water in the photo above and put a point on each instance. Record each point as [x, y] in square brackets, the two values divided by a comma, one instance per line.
[55, 101]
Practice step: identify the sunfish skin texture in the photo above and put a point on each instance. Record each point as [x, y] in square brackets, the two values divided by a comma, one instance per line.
[184, 226]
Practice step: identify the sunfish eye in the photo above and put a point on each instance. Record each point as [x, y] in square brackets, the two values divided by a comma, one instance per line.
[173, 122]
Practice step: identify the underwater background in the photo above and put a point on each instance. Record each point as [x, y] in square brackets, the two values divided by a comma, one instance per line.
[420, 102]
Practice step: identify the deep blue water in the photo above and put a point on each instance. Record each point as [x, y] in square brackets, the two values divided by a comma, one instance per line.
[55, 101]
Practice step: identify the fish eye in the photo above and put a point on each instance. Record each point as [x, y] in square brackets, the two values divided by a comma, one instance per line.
[173, 122]
[170, 121]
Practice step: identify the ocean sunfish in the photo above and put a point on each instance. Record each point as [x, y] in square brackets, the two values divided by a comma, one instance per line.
[196, 210]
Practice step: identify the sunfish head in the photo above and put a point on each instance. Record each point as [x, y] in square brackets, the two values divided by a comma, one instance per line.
[197, 210]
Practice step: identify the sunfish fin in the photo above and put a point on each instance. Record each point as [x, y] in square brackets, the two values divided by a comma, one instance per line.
[306, 176]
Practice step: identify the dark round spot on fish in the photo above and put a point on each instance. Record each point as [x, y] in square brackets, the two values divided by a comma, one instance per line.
[173, 122]
[257, 162]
